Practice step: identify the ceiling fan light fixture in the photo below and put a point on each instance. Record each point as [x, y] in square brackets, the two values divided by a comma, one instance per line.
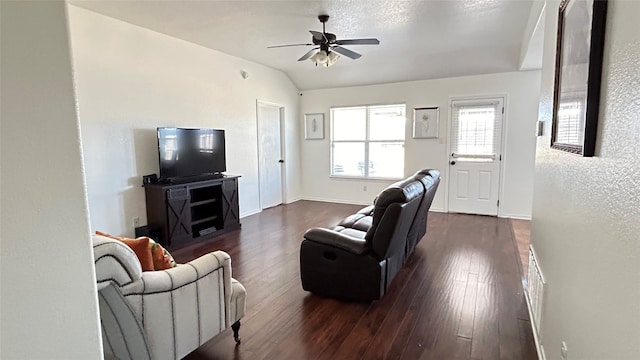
[324, 59]
[332, 58]
[319, 58]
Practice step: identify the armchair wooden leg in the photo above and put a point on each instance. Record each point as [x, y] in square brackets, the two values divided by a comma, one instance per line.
[236, 327]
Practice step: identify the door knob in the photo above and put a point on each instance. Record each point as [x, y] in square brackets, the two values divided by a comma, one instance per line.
[453, 162]
[280, 161]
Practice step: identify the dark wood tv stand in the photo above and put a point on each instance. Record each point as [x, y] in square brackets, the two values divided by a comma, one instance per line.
[191, 211]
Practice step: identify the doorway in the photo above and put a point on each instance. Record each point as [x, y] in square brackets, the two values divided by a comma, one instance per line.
[475, 156]
[270, 159]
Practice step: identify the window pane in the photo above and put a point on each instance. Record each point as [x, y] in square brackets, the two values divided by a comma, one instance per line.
[386, 159]
[387, 122]
[348, 159]
[570, 124]
[475, 130]
[349, 123]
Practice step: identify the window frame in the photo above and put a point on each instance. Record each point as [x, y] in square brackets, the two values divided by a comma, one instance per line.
[498, 103]
[367, 141]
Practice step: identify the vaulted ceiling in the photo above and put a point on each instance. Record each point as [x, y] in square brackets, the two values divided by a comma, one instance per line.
[418, 39]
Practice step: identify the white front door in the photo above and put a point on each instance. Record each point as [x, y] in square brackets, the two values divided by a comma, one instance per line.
[474, 161]
[270, 155]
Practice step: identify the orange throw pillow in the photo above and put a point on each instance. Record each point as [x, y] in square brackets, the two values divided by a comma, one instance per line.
[143, 251]
[140, 247]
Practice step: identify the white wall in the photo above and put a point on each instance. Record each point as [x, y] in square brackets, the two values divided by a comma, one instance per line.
[586, 210]
[49, 305]
[533, 40]
[132, 80]
[521, 89]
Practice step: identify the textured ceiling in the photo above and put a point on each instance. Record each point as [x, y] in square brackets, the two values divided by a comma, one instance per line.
[418, 39]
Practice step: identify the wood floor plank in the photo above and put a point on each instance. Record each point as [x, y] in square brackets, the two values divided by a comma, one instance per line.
[487, 236]
[368, 326]
[434, 335]
[522, 234]
[527, 343]
[315, 329]
[465, 328]
[463, 349]
[508, 326]
[380, 344]
[458, 297]
[485, 341]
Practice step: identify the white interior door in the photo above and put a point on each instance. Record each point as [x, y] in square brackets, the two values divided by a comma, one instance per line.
[270, 155]
[474, 161]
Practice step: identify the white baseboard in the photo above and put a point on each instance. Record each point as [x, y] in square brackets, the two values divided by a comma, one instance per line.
[439, 210]
[507, 216]
[249, 213]
[337, 201]
[293, 200]
[514, 216]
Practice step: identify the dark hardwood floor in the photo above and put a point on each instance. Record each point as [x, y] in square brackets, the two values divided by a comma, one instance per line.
[459, 296]
[522, 235]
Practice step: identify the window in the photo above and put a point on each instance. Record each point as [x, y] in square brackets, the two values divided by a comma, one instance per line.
[475, 128]
[570, 122]
[368, 141]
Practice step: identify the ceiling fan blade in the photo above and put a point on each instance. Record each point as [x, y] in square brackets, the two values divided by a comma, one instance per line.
[372, 41]
[318, 36]
[279, 46]
[346, 52]
[308, 54]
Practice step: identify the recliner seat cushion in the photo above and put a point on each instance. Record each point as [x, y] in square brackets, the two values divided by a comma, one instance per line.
[357, 221]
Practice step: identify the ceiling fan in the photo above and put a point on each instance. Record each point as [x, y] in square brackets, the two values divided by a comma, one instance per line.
[329, 46]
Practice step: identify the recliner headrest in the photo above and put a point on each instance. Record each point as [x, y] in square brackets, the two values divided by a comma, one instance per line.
[401, 191]
[428, 177]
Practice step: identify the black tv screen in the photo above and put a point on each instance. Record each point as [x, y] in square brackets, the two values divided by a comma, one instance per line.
[190, 152]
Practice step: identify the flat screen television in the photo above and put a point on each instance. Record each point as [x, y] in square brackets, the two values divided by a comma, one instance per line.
[189, 153]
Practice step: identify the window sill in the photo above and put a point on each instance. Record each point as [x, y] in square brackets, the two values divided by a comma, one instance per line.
[361, 178]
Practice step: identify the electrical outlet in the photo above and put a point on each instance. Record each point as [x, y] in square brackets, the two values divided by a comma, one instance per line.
[364, 188]
[564, 351]
[136, 222]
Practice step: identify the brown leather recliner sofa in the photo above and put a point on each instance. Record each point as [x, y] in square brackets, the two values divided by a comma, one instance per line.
[358, 258]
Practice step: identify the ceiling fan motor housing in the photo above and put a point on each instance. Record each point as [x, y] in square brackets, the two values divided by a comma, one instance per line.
[331, 38]
[328, 37]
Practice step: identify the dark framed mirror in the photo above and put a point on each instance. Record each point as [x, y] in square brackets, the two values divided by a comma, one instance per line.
[578, 73]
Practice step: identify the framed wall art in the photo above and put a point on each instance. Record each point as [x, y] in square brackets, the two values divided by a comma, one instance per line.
[426, 122]
[578, 72]
[314, 126]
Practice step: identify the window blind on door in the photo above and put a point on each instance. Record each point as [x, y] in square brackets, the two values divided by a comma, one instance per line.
[475, 128]
[570, 121]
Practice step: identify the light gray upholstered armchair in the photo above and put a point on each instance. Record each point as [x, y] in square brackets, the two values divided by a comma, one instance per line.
[163, 314]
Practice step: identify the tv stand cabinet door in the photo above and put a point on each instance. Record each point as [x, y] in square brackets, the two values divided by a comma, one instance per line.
[178, 216]
[230, 204]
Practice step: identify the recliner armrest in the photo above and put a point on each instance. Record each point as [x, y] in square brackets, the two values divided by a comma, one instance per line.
[336, 239]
